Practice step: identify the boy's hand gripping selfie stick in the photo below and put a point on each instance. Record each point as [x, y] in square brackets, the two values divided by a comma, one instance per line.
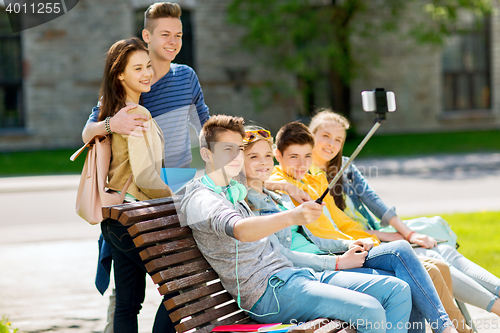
[381, 102]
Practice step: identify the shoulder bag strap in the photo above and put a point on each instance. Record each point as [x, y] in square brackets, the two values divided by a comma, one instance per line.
[125, 188]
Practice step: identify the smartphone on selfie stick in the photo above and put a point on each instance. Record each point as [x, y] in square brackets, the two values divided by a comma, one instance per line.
[379, 101]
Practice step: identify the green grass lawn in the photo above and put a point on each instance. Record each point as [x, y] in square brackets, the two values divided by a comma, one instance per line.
[478, 235]
[57, 161]
[47, 162]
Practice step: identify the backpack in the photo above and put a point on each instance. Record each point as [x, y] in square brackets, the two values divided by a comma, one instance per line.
[92, 193]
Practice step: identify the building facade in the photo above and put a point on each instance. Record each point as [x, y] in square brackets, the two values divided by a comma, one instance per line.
[50, 75]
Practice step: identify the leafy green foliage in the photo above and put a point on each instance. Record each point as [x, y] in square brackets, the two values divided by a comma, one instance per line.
[5, 326]
[310, 38]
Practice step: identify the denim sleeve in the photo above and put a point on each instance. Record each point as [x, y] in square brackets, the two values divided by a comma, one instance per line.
[327, 244]
[94, 115]
[318, 263]
[368, 196]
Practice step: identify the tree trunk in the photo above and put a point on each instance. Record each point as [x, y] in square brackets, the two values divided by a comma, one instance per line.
[340, 95]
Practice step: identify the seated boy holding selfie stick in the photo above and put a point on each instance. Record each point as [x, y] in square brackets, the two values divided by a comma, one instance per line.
[251, 268]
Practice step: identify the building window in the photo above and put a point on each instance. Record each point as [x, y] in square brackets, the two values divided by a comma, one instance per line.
[11, 88]
[185, 56]
[466, 69]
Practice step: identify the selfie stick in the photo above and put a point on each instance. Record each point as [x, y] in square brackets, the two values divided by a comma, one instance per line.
[379, 118]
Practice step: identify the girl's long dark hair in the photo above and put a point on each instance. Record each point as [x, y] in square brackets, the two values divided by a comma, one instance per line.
[112, 95]
[335, 164]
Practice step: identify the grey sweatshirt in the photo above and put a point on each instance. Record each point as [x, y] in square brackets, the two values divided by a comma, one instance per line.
[212, 218]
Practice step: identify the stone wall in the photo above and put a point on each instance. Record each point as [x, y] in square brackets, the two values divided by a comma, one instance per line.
[231, 77]
[414, 73]
[63, 62]
[63, 66]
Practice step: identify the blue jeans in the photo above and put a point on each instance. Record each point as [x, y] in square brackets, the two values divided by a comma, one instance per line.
[471, 283]
[130, 281]
[371, 302]
[417, 320]
[398, 257]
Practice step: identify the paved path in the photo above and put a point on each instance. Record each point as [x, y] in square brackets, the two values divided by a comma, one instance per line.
[48, 254]
[436, 184]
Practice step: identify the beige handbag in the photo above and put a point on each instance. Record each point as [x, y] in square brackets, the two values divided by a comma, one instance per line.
[92, 193]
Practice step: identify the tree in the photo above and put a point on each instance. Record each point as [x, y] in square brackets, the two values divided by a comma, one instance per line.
[313, 38]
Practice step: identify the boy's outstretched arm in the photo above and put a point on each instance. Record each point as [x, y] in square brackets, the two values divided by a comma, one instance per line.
[252, 229]
[294, 192]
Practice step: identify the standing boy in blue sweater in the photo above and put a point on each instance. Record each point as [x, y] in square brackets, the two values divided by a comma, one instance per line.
[175, 99]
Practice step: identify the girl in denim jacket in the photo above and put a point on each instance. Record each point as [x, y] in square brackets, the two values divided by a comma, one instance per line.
[471, 283]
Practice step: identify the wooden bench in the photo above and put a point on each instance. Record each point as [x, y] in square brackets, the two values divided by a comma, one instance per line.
[177, 266]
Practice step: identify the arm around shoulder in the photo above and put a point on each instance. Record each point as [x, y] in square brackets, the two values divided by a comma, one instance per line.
[125, 122]
[93, 126]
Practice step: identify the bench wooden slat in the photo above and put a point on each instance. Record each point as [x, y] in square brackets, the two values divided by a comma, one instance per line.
[154, 225]
[238, 318]
[179, 271]
[116, 213]
[164, 262]
[332, 327]
[201, 305]
[188, 281]
[116, 210]
[193, 295]
[147, 213]
[161, 236]
[206, 317]
[348, 330]
[247, 320]
[153, 252]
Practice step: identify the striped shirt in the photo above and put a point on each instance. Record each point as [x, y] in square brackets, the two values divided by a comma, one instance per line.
[174, 101]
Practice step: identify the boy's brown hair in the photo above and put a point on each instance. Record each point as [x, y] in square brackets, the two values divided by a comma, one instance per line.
[160, 10]
[217, 125]
[294, 133]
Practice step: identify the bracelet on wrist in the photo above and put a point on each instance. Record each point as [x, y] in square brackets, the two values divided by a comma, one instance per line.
[107, 125]
[409, 235]
[337, 263]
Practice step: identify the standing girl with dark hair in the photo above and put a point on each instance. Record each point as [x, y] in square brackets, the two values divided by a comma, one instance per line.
[127, 74]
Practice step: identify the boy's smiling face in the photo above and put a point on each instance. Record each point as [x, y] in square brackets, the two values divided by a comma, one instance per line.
[295, 160]
[165, 41]
[226, 156]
